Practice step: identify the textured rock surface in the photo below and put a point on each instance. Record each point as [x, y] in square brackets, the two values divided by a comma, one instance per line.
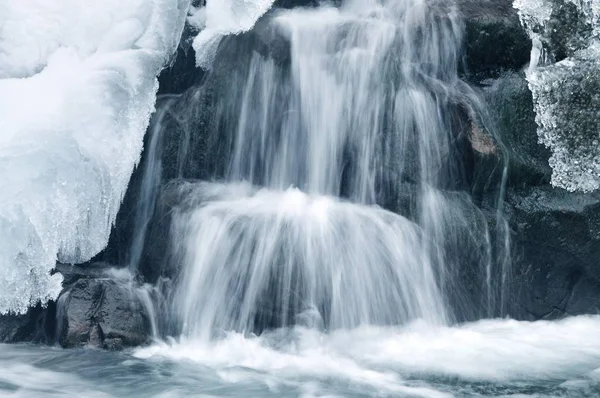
[556, 252]
[37, 325]
[101, 312]
[510, 103]
[495, 41]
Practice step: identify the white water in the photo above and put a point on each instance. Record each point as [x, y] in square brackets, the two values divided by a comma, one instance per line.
[364, 291]
[77, 90]
[270, 259]
[415, 360]
[499, 358]
[365, 111]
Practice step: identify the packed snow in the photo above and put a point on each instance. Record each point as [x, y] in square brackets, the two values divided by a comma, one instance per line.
[77, 88]
[220, 18]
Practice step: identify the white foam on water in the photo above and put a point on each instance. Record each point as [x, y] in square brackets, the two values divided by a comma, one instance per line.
[386, 359]
[220, 18]
[77, 90]
[256, 258]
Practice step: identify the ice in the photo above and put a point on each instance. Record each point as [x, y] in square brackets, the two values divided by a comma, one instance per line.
[389, 359]
[220, 18]
[77, 90]
[566, 93]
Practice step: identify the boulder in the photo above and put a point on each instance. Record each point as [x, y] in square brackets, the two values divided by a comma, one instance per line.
[495, 41]
[101, 312]
[556, 252]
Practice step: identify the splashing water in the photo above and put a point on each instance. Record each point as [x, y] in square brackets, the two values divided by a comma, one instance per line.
[368, 108]
[500, 358]
[268, 259]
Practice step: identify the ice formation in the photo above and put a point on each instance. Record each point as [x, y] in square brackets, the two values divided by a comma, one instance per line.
[220, 18]
[77, 87]
[564, 78]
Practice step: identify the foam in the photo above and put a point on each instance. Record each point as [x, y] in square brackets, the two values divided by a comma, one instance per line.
[387, 358]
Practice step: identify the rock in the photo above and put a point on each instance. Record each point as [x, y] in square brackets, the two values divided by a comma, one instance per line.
[295, 3]
[182, 72]
[37, 325]
[556, 252]
[495, 41]
[510, 104]
[103, 313]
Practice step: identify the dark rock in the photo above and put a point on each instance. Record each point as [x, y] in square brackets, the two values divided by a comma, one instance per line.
[495, 41]
[295, 3]
[103, 313]
[37, 325]
[182, 72]
[556, 250]
[510, 104]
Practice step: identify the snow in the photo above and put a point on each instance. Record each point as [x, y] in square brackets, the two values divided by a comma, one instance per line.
[566, 94]
[77, 87]
[220, 18]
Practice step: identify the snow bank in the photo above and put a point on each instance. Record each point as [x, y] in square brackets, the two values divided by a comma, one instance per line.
[220, 18]
[77, 87]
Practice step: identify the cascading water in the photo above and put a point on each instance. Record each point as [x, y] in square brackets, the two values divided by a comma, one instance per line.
[272, 258]
[318, 217]
[368, 107]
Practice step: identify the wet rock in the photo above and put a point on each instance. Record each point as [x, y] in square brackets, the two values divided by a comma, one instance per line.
[37, 325]
[556, 247]
[510, 104]
[103, 313]
[295, 3]
[495, 41]
[182, 72]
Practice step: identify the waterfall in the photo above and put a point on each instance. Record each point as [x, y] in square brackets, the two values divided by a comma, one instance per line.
[259, 259]
[342, 196]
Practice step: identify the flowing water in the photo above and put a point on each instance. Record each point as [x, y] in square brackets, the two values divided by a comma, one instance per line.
[491, 358]
[369, 108]
[339, 253]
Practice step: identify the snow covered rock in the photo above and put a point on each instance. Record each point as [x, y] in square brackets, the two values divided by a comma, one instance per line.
[77, 88]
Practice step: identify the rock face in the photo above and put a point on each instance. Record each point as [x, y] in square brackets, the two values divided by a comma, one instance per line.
[495, 41]
[556, 252]
[553, 266]
[101, 312]
[37, 325]
[510, 102]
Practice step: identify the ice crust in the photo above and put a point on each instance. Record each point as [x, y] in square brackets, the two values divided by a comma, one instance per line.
[220, 18]
[77, 87]
[566, 93]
